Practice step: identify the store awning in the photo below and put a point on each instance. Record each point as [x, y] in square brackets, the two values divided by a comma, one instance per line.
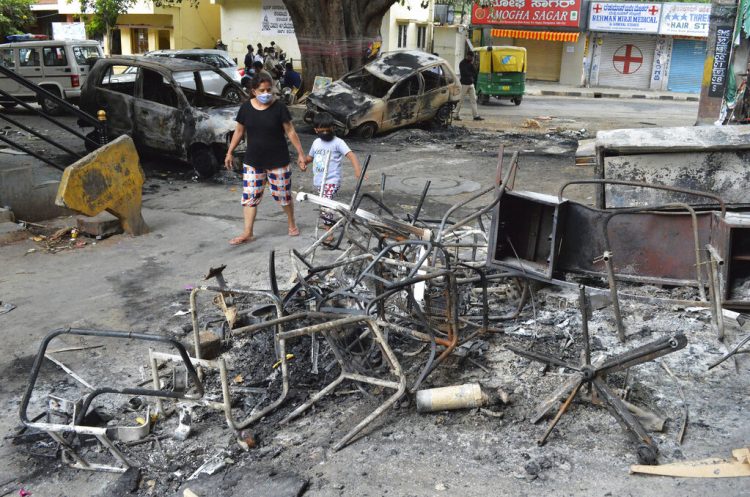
[535, 35]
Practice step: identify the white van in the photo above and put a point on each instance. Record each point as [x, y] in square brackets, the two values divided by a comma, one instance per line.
[58, 66]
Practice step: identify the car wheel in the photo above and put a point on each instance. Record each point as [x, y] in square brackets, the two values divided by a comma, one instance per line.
[367, 130]
[204, 161]
[517, 100]
[484, 99]
[50, 106]
[232, 94]
[8, 105]
[443, 115]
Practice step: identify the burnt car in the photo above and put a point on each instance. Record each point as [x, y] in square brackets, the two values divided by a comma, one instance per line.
[395, 90]
[167, 105]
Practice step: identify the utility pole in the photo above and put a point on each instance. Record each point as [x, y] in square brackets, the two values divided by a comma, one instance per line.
[718, 63]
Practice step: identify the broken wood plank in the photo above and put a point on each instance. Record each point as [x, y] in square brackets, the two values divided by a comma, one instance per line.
[706, 468]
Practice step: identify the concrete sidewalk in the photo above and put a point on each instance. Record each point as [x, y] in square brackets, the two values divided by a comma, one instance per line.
[544, 88]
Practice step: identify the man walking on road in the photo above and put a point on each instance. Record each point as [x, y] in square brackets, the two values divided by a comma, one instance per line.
[468, 78]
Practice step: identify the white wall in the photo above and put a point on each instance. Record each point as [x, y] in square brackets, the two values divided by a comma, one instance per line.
[410, 13]
[240, 26]
[571, 67]
[74, 7]
[449, 44]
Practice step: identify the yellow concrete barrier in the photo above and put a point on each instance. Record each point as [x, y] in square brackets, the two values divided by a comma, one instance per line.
[108, 179]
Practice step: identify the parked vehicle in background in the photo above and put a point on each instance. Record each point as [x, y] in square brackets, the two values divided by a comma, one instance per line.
[502, 73]
[58, 66]
[167, 105]
[394, 90]
[220, 59]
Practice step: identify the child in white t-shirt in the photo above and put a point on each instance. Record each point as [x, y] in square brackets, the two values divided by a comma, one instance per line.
[328, 143]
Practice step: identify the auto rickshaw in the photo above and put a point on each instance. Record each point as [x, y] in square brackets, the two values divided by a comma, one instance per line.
[502, 73]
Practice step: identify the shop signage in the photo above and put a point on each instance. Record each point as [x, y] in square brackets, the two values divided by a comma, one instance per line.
[68, 31]
[625, 17]
[275, 19]
[549, 13]
[721, 61]
[685, 19]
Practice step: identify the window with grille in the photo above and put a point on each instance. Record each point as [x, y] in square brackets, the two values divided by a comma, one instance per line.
[139, 40]
[402, 28]
[421, 37]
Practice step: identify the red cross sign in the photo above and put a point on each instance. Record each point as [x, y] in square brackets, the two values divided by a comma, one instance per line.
[597, 8]
[653, 10]
[627, 59]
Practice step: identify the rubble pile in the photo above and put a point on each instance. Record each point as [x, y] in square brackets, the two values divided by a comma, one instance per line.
[382, 307]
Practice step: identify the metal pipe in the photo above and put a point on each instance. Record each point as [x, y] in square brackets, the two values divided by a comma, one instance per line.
[30, 152]
[39, 135]
[607, 258]
[584, 305]
[674, 189]
[52, 119]
[128, 391]
[418, 209]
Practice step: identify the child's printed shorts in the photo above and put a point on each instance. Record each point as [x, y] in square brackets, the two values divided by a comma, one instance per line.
[326, 215]
[254, 182]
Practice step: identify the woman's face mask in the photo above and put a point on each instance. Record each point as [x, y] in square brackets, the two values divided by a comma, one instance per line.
[264, 98]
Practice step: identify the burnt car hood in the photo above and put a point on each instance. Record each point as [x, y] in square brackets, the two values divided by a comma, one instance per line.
[341, 100]
[218, 120]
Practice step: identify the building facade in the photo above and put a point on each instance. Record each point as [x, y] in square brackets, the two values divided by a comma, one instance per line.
[245, 22]
[146, 27]
[550, 30]
[648, 46]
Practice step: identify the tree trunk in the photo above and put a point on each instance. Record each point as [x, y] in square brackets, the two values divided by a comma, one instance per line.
[334, 35]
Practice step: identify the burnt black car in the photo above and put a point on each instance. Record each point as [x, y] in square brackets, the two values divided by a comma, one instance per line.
[169, 106]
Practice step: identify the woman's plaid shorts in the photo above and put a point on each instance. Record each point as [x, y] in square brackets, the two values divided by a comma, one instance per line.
[254, 182]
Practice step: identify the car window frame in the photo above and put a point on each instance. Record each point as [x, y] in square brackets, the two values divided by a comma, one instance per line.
[13, 58]
[45, 50]
[83, 61]
[420, 91]
[168, 81]
[443, 84]
[108, 69]
[32, 50]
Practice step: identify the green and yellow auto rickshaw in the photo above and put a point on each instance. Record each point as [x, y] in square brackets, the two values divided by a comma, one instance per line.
[502, 73]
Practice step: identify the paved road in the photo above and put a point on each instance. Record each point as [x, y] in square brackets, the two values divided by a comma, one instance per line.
[590, 113]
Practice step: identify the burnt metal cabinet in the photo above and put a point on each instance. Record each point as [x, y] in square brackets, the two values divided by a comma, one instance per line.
[524, 235]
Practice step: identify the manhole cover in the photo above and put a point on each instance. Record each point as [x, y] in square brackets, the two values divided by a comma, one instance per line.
[439, 186]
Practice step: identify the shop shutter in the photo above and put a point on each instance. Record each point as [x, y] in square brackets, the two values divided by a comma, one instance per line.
[626, 61]
[543, 58]
[686, 66]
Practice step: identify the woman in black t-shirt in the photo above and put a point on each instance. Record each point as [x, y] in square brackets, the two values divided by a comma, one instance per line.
[266, 121]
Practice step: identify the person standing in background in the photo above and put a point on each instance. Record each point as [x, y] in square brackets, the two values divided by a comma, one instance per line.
[249, 59]
[468, 77]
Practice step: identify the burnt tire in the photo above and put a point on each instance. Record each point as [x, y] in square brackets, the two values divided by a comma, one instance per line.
[367, 130]
[232, 94]
[517, 100]
[51, 107]
[204, 161]
[443, 115]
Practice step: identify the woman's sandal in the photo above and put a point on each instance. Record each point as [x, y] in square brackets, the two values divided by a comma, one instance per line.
[293, 231]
